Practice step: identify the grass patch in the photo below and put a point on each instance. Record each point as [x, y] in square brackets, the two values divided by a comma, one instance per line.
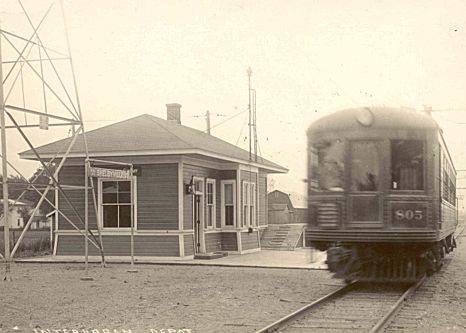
[30, 247]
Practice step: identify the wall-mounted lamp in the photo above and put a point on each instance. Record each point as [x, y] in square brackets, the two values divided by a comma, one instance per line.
[190, 186]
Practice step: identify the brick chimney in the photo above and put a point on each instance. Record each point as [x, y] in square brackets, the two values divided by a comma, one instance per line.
[173, 112]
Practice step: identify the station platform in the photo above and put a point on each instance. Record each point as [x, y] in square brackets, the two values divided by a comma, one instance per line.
[297, 259]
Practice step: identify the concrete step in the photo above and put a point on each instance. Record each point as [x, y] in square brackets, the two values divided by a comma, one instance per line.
[277, 248]
[208, 256]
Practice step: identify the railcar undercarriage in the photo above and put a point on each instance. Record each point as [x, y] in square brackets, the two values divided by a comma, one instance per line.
[386, 262]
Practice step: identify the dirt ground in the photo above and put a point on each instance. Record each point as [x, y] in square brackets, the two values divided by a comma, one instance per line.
[439, 305]
[159, 298]
[42, 298]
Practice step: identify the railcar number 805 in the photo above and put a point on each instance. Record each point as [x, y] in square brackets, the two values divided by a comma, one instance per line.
[408, 214]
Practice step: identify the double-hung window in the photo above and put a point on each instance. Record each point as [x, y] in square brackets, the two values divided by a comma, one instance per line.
[246, 200]
[228, 199]
[210, 204]
[249, 204]
[116, 203]
[252, 206]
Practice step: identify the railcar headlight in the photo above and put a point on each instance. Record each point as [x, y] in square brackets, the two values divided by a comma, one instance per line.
[365, 117]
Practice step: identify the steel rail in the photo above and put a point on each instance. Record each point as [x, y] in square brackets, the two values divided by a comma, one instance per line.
[394, 309]
[378, 327]
[296, 314]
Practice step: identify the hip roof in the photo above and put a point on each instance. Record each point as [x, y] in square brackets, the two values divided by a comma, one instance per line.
[146, 135]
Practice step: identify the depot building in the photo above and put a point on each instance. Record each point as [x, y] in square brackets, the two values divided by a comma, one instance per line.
[192, 193]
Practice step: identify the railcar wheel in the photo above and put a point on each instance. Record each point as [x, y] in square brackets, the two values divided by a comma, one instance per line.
[443, 252]
[429, 263]
[438, 262]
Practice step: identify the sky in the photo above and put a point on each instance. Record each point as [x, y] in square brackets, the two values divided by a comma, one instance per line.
[309, 58]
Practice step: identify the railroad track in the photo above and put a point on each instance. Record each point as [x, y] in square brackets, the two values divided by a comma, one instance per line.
[357, 307]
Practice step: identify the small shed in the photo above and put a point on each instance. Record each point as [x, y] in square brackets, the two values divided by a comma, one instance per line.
[193, 193]
[284, 208]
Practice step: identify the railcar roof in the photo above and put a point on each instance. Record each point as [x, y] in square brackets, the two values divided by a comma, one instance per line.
[378, 117]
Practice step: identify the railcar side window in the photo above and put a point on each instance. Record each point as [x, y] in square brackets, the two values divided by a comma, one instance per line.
[327, 166]
[365, 166]
[407, 164]
[449, 182]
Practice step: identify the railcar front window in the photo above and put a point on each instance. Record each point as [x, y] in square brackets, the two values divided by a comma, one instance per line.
[407, 164]
[365, 166]
[327, 166]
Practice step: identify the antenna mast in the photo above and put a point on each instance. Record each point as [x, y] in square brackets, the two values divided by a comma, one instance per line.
[252, 118]
[254, 122]
[249, 71]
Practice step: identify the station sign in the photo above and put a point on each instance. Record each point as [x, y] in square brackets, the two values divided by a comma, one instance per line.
[110, 173]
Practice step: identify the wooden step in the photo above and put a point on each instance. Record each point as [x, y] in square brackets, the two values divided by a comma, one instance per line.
[282, 237]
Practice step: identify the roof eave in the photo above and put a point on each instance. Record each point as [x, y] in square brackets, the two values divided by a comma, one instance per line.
[262, 166]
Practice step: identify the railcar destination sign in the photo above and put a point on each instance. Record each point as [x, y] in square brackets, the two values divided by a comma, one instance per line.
[110, 173]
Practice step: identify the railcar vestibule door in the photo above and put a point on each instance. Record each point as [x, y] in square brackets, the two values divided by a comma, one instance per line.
[365, 184]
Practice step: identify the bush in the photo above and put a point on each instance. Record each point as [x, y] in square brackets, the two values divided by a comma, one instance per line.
[29, 247]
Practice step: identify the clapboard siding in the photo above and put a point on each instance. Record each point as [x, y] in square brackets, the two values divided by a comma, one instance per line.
[229, 241]
[188, 212]
[157, 198]
[213, 242]
[188, 245]
[203, 172]
[263, 199]
[150, 245]
[248, 176]
[74, 175]
[157, 206]
[249, 241]
[227, 174]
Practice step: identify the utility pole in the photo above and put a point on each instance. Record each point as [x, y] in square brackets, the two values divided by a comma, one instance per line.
[207, 118]
[6, 228]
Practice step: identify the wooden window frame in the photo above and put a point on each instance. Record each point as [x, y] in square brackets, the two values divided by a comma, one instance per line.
[222, 199]
[249, 203]
[212, 206]
[133, 196]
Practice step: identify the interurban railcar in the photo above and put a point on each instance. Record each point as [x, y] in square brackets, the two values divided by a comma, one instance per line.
[382, 196]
